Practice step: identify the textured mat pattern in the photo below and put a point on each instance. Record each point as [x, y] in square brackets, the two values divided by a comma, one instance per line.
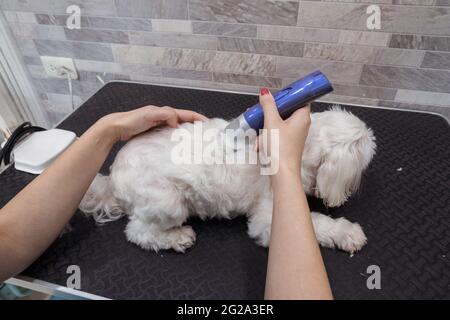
[403, 207]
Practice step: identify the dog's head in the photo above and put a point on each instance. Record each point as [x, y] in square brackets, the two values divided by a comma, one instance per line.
[348, 147]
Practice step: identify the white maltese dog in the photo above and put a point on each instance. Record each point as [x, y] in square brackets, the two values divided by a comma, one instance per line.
[159, 195]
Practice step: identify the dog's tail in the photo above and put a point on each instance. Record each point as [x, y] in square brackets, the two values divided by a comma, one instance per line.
[99, 201]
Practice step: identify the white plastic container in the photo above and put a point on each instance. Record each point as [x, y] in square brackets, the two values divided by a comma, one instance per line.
[40, 149]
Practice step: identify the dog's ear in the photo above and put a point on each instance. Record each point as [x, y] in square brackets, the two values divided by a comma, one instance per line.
[339, 173]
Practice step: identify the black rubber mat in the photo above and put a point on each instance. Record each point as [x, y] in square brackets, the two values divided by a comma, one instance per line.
[403, 206]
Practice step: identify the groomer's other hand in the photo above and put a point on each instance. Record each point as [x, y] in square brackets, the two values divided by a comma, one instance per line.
[292, 131]
[125, 125]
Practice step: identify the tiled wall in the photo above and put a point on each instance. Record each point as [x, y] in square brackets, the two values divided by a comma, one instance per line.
[242, 45]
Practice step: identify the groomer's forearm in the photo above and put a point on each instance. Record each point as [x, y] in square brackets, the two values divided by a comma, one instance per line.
[33, 219]
[295, 266]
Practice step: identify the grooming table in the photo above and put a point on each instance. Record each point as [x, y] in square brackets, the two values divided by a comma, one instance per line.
[403, 207]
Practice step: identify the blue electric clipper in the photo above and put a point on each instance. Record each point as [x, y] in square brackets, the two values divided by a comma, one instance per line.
[288, 99]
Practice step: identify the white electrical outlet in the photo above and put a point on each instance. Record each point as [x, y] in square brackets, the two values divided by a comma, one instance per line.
[59, 67]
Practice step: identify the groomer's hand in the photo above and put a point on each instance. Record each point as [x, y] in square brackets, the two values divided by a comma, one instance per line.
[292, 132]
[125, 125]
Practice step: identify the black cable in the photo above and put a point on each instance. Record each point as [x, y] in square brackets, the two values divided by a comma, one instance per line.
[23, 130]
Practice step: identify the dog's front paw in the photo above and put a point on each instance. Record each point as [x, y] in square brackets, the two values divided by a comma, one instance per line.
[182, 238]
[151, 237]
[349, 236]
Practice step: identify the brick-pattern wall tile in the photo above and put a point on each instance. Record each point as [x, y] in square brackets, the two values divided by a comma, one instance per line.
[119, 23]
[398, 57]
[271, 47]
[436, 60]
[258, 81]
[398, 77]
[365, 38]
[93, 35]
[95, 22]
[243, 63]
[156, 9]
[342, 72]
[186, 74]
[19, 16]
[76, 50]
[298, 34]
[408, 41]
[364, 92]
[165, 25]
[189, 59]
[277, 12]
[97, 66]
[352, 16]
[224, 29]
[242, 45]
[339, 52]
[31, 31]
[173, 40]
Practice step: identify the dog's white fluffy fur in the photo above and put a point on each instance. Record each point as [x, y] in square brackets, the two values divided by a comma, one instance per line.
[158, 196]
